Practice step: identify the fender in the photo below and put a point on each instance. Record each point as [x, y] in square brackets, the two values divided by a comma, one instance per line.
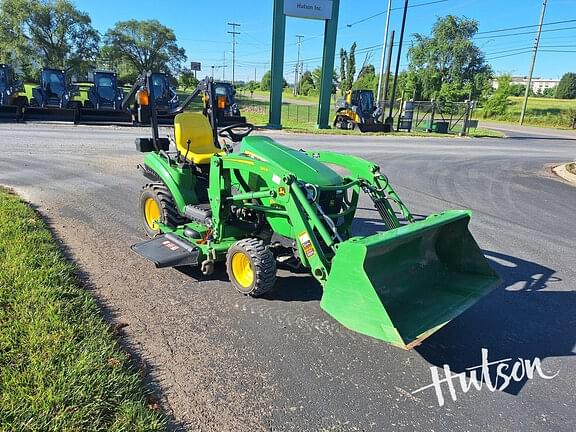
[179, 181]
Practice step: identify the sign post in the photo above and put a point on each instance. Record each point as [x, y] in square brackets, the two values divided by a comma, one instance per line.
[330, 31]
[312, 9]
[196, 67]
[277, 65]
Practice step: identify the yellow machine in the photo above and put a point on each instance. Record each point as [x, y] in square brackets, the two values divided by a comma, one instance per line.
[357, 108]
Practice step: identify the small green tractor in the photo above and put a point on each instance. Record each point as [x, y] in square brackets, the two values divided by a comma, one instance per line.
[260, 204]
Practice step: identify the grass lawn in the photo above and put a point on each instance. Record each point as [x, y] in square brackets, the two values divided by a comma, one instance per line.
[61, 368]
[547, 112]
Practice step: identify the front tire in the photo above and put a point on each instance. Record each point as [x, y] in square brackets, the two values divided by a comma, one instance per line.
[157, 205]
[251, 267]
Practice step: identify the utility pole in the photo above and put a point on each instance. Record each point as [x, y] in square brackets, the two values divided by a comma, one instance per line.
[393, 95]
[233, 33]
[535, 51]
[254, 74]
[296, 74]
[212, 76]
[387, 73]
[383, 52]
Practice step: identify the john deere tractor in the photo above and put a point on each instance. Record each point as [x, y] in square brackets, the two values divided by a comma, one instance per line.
[253, 203]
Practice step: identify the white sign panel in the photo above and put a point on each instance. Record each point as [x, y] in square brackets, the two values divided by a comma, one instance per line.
[315, 9]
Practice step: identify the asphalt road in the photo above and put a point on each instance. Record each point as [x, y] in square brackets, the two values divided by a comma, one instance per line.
[221, 361]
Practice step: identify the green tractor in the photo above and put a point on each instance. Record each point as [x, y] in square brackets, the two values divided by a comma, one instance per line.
[252, 204]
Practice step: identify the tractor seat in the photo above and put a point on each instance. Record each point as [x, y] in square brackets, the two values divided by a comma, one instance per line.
[195, 127]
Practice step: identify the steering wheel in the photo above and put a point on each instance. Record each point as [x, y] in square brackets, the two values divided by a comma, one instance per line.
[227, 132]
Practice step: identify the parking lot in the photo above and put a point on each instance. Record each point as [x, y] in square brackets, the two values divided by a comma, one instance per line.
[220, 361]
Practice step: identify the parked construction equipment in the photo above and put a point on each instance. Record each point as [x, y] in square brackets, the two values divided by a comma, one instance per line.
[166, 99]
[263, 204]
[12, 101]
[104, 100]
[54, 98]
[227, 111]
[357, 108]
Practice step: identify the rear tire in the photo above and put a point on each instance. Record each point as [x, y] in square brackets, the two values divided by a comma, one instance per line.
[251, 267]
[157, 203]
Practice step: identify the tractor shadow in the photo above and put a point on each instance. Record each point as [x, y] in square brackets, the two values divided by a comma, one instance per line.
[295, 288]
[522, 318]
[292, 285]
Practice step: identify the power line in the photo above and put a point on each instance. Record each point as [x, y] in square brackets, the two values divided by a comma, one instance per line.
[523, 33]
[526, 26]
[508, 50]
[559, 51]
[509, 55]
[397, 8]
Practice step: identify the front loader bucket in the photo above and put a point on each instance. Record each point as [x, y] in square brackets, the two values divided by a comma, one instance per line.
[402, 285]
[104, 116]
[374, 127]
[50, 114]
[10, 113]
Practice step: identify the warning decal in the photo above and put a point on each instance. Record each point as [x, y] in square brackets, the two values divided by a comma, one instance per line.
[306, 244]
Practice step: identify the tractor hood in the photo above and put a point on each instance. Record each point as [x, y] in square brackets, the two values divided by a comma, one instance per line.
[304, 167]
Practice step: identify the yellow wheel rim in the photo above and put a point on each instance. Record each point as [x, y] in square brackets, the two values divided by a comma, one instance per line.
[152, 213]
[242, 269]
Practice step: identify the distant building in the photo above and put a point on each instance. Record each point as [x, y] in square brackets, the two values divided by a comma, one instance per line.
[538, 84]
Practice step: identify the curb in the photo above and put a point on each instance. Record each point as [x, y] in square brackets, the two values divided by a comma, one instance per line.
[562, 172]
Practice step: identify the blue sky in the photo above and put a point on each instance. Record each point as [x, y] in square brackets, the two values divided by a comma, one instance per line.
[203, 32]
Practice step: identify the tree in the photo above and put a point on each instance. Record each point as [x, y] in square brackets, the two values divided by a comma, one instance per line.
[517, 89]
[351, 66]
[306, 84]
[549, 92]
[188, 79]
[566, 88]
[49, 33]
[343, 82]
[367, 79]
[145, 45]
[251, 86]
[265, 83]
[448, 65]
[497, 104]
[347, 68]
[267, 79]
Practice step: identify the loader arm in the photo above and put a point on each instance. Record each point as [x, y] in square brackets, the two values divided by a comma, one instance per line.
[376, 184]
